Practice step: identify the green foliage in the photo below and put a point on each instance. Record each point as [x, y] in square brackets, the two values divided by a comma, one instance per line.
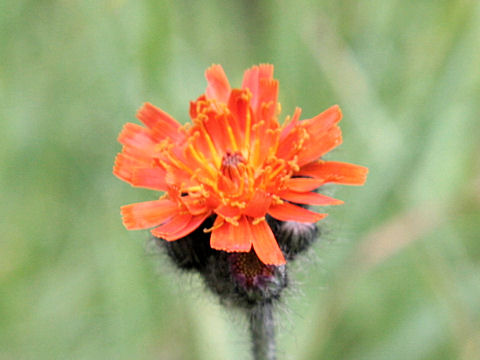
[396, 277]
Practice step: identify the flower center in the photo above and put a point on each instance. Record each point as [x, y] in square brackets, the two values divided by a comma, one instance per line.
[230, 164]
[234, 179]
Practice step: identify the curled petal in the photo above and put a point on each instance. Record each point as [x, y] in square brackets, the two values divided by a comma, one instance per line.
[310, 198]
[291, 212]
[218, 86]
[337, 172]
[229, 237]
[179, 226]
[147, 214]
[175, 224]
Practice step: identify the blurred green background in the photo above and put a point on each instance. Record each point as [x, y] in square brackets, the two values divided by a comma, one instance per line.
[397, 273]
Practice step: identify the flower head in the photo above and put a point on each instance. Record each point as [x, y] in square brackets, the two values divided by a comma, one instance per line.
[234, 162]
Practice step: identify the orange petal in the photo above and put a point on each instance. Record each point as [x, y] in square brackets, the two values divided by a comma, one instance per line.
[196, 205]
[176, 223]
[194, 159]
[162, 124]
[137, 137]
[216, 126]
[184, 228]
[126, 164]
[231, 238]
[218, 86]
[267, 98]
[265, 71]
[290, 143]
[317, 146]
[265, 244]
[196, 106]
[138, 154]
[324, 135]
[258, 205]
[291, 124]
[303, 184]
[264, 139]
[337, 172]
[228, 211]
[291, 212]
[323, 121]
[177, 176]
[238, 104]
[251, 80]
[310, 198]
[147, 214]
[150, 178]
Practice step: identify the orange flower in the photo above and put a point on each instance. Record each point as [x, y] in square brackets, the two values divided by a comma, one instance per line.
[235, 162]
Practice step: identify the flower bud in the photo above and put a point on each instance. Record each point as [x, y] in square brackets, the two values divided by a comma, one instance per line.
[239, 279]
[293, 237]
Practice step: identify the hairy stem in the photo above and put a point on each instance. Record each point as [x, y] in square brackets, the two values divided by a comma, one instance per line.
[262, 328]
